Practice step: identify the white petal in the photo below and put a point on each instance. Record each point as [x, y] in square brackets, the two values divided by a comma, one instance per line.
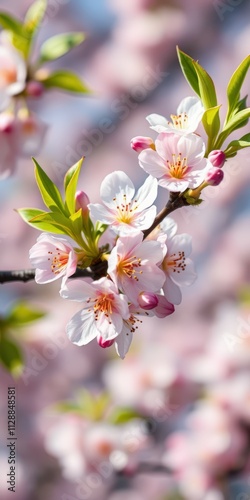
[152, 163]
[173, 184]
[147, 193]
[123, 342]
[81, 329]
[157, 122]
[172, 292]
[169, 227]
[180, 242]
[115, 185]
[100, 213]
[187, 277]
[78, 290]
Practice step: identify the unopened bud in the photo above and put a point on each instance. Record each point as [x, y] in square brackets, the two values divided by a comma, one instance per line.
[214, 176]
[147, 300]
[140, 143]
[217, 158]
[34, 89]
[6, 122]
[164, 308]
[82, 201]
[105, 343]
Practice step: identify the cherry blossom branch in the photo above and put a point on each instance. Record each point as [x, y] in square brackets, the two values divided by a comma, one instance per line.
[175, 201]
[25, 275]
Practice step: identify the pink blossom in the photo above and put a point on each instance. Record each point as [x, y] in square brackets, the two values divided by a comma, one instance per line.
[178, 268]
[213, 176]
[12, 70]
[217, 158]
[124, 210]
[188, 116]
[53, 258]
[102, 313]
[177, 162]
[132, 265]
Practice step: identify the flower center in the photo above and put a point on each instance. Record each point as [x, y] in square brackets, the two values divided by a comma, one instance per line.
[125, 210]
[178, 167]
[7, 76]
[131, 323]
[59, 260]
[175, 262]
[130, 267]
[179, 121]
[103, 304]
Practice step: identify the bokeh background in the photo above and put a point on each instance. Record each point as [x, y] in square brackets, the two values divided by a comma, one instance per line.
[187, 376]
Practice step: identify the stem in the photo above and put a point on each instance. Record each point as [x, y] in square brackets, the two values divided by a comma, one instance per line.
[175, 201]
[29, 274]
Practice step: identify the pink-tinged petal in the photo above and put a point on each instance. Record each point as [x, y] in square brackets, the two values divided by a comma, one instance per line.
[101, 213]
[174, 185]
[147, 193]
[115, 185]
[151, 251]
[152, 163]
[81, 329]
[169, 227]
[123, 342]
[43, 276]
[157, 122]
[179, 243]
[187, 277]
[172, 292]
[109, 326]
[78, 290]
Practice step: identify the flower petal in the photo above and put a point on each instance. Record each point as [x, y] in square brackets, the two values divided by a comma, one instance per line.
[81, 329]
[115, 185]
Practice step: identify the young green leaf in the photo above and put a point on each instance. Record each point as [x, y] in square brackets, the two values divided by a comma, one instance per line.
[22, 313]
[235, 84]
[236, 145]
[10, 23]
[236, 121]
[65, 80]
[58, 45]
[28, 214]
[211, 121]
[206, 87]
[77, 222]
[11, 356]
[53, 222]
[70, 185]
[49, 192]
[187, 67]
[34, 17]
[122, 415]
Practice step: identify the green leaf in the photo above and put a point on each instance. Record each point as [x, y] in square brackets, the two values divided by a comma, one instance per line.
[10, 23]
[236, 121]
[11, 356]
[70, 185]
[211, 121]
[236, 145]
[122, 415]
[34, 17]
[28, 214]
[21, 313]
[49, 192]
[77, 222]
[235, 84]
[58, 45]
[187, 67]
[54, 222]
[206, 87]
[65, 80]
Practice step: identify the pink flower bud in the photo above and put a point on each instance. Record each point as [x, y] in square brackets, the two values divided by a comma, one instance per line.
[82, 201]
[34, 89]
[105, 343]
[214, 176]
[6, 122]
[147, 300]
[164, 307]
[140, 143]
[217, 158]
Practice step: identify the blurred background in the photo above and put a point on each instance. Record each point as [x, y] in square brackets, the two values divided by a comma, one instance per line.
[181, 398]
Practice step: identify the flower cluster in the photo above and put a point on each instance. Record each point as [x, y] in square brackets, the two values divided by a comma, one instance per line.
[132, 263]
[142, 276]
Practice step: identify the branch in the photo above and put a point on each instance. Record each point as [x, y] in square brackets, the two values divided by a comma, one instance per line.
[175, 201]
[25, 275]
